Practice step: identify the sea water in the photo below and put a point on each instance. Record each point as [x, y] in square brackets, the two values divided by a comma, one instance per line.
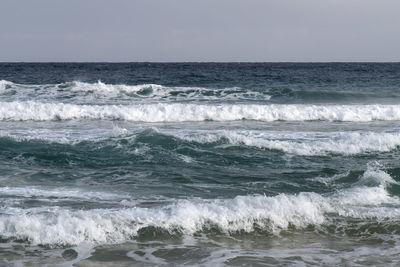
[207, 164]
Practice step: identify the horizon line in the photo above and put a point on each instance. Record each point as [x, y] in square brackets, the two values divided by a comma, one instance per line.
[199, 62]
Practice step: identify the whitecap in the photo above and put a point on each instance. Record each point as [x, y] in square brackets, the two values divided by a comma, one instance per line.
[180, 112]
[61, 226]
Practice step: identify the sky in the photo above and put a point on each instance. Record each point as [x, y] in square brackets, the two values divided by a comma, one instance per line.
[199, 30]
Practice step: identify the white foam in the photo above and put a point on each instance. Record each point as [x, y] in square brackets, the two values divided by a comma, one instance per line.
[112, 88]
[298, 143]
[140, 91]
[147, 257]
[302, 143]
[312, 252]
[64, 135]
[30, 192]
[178, 112]
[328, 181]
[55, 225]
[374, 176]
[119, 131]
[175, 92]
[4, 84]
[28, 137]
[59, 226]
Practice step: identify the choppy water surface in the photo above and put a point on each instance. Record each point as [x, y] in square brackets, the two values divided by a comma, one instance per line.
[199, 164]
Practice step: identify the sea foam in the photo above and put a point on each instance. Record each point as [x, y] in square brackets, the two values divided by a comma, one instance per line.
[4, 84]
[301, 143]
[179, 112]
[297, 143]
[61, 226]
[141, 91]
[101, 87]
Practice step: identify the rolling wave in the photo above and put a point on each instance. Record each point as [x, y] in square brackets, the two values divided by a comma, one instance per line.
[297, 143]
[140, 91]
[302, 143]
[60, 226]
[180, 112]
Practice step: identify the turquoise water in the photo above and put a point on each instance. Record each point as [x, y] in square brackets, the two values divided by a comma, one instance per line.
[199, 164]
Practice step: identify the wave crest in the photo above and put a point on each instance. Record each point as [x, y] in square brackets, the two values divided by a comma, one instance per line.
[302, 143]
[140, 91]
[179, 112]
[60, 226]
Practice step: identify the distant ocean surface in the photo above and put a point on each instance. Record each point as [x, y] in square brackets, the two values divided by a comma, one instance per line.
[213, 164]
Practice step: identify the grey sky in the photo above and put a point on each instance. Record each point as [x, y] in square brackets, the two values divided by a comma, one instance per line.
[200, 30]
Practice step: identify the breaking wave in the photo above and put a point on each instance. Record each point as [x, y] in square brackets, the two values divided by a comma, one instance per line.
[298, 143]
[60, 226]
[141, 91]
[303, 143]
[5, 85]
[179, 112]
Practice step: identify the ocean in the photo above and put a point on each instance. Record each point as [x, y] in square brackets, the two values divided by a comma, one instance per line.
[199, 164]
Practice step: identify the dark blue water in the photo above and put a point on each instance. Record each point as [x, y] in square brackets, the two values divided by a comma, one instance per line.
[199, 164]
